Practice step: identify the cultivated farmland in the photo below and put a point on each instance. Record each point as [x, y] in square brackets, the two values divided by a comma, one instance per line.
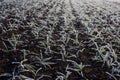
[59, 40]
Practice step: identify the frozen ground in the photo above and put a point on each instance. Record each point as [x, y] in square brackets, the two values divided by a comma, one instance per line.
[60, 40]
[48, 0]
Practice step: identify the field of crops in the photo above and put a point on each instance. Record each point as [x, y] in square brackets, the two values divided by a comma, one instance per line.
[59, 40]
